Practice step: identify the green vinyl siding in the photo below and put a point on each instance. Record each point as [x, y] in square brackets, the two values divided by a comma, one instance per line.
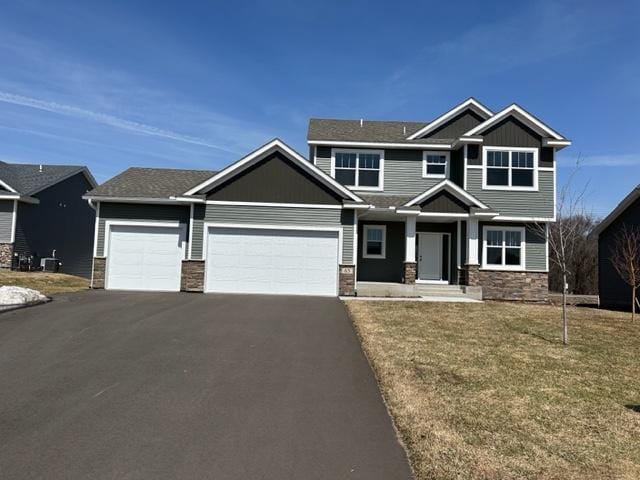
[276, 216]
[516, 202]
[402, 172]
[135, 212]
[6, 220]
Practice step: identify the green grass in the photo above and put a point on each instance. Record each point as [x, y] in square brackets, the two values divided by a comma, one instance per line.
[46, 283]
[488, 391]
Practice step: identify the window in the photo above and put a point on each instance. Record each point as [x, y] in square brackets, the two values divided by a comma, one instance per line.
[503, 248]
[511, 168]
[362, 170]
[435, 164]
[375, 239]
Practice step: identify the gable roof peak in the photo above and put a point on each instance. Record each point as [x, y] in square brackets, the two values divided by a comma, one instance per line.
[469, 104]
[261, 153]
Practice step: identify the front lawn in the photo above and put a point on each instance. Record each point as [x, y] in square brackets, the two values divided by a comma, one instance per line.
[46, 283]
[489, 391]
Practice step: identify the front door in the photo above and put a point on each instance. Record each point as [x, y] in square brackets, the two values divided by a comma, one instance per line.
[430, 257]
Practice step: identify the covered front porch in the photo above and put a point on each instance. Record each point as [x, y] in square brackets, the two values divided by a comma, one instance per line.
[417, 246]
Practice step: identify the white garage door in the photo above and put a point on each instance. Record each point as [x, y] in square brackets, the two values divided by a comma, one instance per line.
[144, 258]
[246, 260]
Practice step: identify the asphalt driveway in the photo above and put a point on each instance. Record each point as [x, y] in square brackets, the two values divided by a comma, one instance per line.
[123, 385]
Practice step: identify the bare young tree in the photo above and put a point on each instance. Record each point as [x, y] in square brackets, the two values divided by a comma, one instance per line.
[625, 257]
[566, 236]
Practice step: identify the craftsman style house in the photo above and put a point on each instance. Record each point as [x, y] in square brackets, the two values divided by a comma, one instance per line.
[379, 208]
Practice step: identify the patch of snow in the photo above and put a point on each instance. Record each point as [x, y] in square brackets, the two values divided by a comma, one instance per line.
[19, 296]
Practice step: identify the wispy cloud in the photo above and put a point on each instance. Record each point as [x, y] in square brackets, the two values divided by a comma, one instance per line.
[622, 160]
[105, 119]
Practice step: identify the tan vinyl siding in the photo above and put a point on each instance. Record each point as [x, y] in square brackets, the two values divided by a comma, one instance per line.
[6, 220]
[515, 202]
[276, 216]
[133, 212]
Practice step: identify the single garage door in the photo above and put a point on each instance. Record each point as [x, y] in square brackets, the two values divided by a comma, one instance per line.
[251, 260]
[144, 258]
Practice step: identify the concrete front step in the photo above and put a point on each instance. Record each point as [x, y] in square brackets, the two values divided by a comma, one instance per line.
[400, 290]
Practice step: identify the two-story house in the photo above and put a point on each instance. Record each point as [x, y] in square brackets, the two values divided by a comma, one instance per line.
[458, 200]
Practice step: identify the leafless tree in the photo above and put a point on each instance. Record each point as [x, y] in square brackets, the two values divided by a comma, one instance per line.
[565, 237]
[625, 257]
[583, 264]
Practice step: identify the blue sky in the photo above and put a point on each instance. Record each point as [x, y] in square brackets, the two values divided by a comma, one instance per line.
[198, 84]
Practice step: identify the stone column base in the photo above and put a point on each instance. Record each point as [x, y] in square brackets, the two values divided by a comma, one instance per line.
[347, 280]
[470, 275]
[410, 272]
[192, 278]
[6, 255]
[99, 267]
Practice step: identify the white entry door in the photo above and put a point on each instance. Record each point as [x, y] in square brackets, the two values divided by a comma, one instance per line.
[272, 261]
[144, 258]
[430, 257]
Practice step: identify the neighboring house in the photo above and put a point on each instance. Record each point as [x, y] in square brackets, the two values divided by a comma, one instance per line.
[452, 201]
[42, 212]
[614, 292]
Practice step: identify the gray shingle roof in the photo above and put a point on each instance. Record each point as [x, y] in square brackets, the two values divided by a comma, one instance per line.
[386, 201]
[370, 131]
[138, 182]
[28, 179]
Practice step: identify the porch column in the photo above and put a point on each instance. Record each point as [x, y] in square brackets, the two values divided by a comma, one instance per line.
[472, 246]
[471, 276]
[410, 249]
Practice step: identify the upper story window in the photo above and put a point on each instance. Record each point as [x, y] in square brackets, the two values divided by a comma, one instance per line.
[503, 248]
[362, 170]
[435, 164]
[510, 168]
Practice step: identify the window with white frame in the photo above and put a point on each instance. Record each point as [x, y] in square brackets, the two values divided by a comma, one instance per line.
[374, 241]
[510, 168]
[358, 169]
[435, 164]
[503, 247]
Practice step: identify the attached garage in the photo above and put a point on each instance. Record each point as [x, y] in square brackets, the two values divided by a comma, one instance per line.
[144, 257]
[272, 260]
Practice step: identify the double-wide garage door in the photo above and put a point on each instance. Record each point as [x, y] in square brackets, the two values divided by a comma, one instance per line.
[144, 257]
[271, 261]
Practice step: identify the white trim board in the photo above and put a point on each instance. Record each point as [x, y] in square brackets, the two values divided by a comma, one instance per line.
[414, 146]
[522, 115]
[262, 152]
[470, 103]
[270, 204]
[453, 189]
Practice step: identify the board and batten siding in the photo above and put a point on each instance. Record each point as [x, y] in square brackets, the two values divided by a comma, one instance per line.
[522, 203]
[135, 212]
[535, 245]
[402, 170]
[6, 220]
[276, 216]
